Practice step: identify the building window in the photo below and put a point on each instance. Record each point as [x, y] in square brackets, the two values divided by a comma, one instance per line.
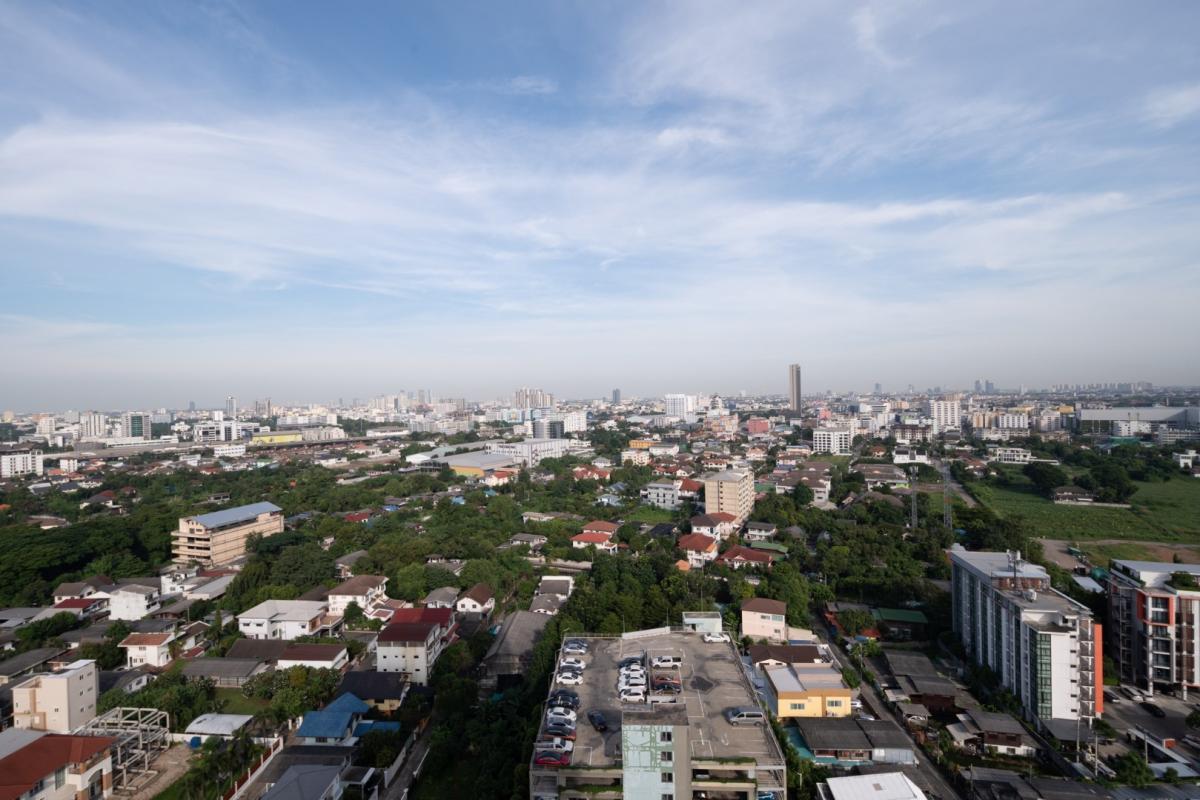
[665, 736]
[668, 777]
[666, 756]
[60, 777]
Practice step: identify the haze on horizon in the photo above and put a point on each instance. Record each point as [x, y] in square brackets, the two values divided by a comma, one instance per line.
[308, 201]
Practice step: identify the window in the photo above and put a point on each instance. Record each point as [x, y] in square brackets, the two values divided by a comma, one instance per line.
[665, 736]
[668, 796]
[834, 703]
[668, 777]
[797, 706]
[60, 777]
[666, 756]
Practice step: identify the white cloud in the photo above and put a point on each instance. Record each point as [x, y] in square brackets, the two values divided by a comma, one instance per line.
[1166, 108]
[531, 84]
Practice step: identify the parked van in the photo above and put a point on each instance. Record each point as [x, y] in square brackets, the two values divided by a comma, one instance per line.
[745, 715]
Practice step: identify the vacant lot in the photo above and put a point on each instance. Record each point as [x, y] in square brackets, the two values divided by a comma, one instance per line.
[1101, 551]
[237, 703]
[649, 515]
[1164, 512]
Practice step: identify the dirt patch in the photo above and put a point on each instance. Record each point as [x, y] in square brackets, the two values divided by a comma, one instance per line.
[170, 767]
[1100, 551]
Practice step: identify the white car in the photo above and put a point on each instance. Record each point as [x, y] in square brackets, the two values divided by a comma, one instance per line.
[713, 638]
[664, 662]
[575, 649]
[572, 663]
[569, 678]
[557, 744]
[631, 683]
[633, 670]
[632, 696]
[560, 713]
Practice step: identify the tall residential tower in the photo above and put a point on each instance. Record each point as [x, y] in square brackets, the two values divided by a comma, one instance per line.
[794, 386]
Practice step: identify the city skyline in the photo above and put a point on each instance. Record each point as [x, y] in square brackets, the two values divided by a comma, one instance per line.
[195, 196]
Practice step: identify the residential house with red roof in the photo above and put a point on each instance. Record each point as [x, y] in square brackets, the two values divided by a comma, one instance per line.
[699, 548]
[52, 766]
[601, 541]
[738, 557]
[719, 524]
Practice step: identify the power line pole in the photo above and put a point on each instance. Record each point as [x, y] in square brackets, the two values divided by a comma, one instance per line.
[947, 513]
[912, 483]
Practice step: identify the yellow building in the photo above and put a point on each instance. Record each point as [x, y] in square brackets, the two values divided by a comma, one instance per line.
[807, 690]
[730, 492]
[220, 537]
[641, 444]
[277, 437]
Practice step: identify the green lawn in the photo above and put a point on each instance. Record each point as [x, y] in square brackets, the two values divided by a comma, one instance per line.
[650, 515]
[1100, 553]
[238, 703]
[1077, 522]
[1174, 505]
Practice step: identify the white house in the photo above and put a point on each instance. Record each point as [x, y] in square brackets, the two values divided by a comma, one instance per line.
[365, 590]
[284, 619]
[662, 494]
[476, 600]
[409, 647]
[133, 601]
[147, 649]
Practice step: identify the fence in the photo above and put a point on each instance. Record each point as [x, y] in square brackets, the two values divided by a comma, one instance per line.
[252, 772]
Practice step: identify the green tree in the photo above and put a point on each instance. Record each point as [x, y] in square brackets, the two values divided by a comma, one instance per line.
[1045, 477]
[1133, 770]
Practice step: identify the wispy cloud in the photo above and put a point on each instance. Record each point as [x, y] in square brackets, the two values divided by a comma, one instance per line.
[1166, 108]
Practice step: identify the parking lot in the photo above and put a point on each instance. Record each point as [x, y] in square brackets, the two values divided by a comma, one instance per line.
[1126, 714]
[712, 679]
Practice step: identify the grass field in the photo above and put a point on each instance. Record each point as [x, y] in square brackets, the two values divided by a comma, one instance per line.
[649, 515]
[1166, 512]
[238, 703]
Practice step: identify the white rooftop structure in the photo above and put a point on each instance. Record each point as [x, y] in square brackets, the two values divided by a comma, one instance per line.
[217, 724]
[285, 610]
[883, 786]
[998, 565]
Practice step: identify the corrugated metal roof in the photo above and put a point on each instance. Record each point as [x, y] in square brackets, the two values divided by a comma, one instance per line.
[231, 516]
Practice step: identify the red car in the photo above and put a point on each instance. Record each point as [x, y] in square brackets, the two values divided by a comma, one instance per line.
[550, 758]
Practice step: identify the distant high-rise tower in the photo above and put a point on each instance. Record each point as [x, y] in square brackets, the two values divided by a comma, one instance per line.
[231, 407]
[879, 388]
[978, 386]
[794, 386]
[989, 387]
[616, 397]
[192, 406]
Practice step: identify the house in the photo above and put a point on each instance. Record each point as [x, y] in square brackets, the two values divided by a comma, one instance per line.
[764, 619]
[366, 591]
[307, 781]
[877, 475]
[900, 624]
[314, 656]
[286, 619]
[345, 564]
[760, 531]
[83, 607]
[534, 541]
[608, 529]
[268, 651]
[662, 494]
[335, 724]
[443, 597]
[134, 601]
[810, 690]
[477, 600]
[738, 557]
[590, 472]
[698, 548]
[783, 655]
[991, 733]
[224, 672]
[1072, 494]
[383, 691]
[148, 649]
[718, 525]
[97, 584]
[548, 604]
[49, 766]
[601, 541]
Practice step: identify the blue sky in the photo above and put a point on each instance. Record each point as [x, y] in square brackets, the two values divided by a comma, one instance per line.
[312, 200]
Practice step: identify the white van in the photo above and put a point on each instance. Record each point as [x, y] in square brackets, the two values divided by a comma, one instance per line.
[745, 715]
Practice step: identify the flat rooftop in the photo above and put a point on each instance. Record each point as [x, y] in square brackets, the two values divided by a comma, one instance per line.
[713, 680]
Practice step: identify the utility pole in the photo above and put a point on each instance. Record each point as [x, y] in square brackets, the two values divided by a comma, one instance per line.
[912, 482]
[947, 513]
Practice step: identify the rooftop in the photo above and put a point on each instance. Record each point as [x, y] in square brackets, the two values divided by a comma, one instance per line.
[713, 681]
[234, 516]
[217, 724]
[21, 769]
[286, 610]
[358, 585]
[880, 786]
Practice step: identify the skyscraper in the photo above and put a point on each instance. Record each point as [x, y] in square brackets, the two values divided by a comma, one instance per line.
[616, 400]
[231, 407]
[135, 425]
[794, 386]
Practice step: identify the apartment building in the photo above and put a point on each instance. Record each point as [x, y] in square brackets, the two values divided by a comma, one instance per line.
[133, 601]
[682, 748]
[1154, 623]
[729, 492]
[530, 452]
[946, 415]
[836, 441]
[220, 537]
[58, 702]
[1043, 646]
[285, 619]
[409, 647]
[1010, 455]
[662, 494]
[17, 461]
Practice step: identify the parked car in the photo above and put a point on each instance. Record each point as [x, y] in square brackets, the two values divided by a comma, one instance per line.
[865, 718]
[856, 704]
[565, 698]
[552, 758]
[597, 719]
[558, 712]
[630, 661]
[556, 743]
[569, 678]
[659, 685]
[1154, 709]
[1111, 697]
[633, 680]
[561, 730]
[713, 638]
[633, 670]
[575, 647]
[572, 662]
[745, 715]
[666, 662]
[632, 695]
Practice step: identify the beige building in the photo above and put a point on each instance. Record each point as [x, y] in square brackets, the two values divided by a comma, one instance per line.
[220, 537]
[807, 690]
[764, 619]
[58, 702]
[729, 492]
